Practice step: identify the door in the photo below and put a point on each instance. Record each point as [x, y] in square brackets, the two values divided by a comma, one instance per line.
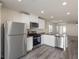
[15, 28]
[16, 47]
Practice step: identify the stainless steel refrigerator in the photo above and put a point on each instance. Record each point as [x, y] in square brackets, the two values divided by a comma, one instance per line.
[14, 43]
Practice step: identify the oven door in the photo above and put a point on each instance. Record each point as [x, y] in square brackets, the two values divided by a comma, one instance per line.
[36, 40]
[39, 40]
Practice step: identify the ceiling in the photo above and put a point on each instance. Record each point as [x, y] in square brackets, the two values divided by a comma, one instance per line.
[50, 7]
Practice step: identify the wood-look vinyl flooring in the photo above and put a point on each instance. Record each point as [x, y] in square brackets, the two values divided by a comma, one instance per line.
[72, 50]
[47, 52]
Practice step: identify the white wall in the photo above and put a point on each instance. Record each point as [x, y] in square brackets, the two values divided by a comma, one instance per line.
[8, 14]
[72, 29]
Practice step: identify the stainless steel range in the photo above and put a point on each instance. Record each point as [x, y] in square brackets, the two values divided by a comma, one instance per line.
[36, 38]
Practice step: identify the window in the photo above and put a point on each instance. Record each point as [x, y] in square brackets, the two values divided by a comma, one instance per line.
[50, 28]
[61, 29]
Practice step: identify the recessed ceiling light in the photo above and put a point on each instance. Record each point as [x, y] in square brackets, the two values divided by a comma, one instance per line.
[52, 17]
[68, 13]
[42, 11]
[19, 0]
[64, 3]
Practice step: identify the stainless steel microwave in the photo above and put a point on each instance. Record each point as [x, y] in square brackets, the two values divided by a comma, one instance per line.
[34, 25]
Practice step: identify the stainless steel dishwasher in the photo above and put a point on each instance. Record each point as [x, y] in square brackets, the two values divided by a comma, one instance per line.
[61, 41]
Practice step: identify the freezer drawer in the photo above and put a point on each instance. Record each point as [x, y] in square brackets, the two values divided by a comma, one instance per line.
[14, 47]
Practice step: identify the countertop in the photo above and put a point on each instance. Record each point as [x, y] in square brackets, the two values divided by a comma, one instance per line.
[56, 35]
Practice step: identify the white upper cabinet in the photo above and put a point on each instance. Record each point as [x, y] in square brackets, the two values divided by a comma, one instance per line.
[41, 24]
[27, 20]
[33, 18]
[23, 18]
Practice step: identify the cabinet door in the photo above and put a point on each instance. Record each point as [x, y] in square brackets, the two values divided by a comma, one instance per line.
[48, 40]
[25, 19]
[52, 41]
[33, 19]
[43, 39]
[29, 43]
[14, 47]
[41, 24]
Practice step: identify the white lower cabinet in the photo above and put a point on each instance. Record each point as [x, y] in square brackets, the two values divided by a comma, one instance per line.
[29, 43]
[48, 40]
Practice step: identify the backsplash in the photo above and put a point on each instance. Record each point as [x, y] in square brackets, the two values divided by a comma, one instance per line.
[37, 30]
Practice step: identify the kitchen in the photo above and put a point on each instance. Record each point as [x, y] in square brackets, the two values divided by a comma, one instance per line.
[39, 30]
[35, 31]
